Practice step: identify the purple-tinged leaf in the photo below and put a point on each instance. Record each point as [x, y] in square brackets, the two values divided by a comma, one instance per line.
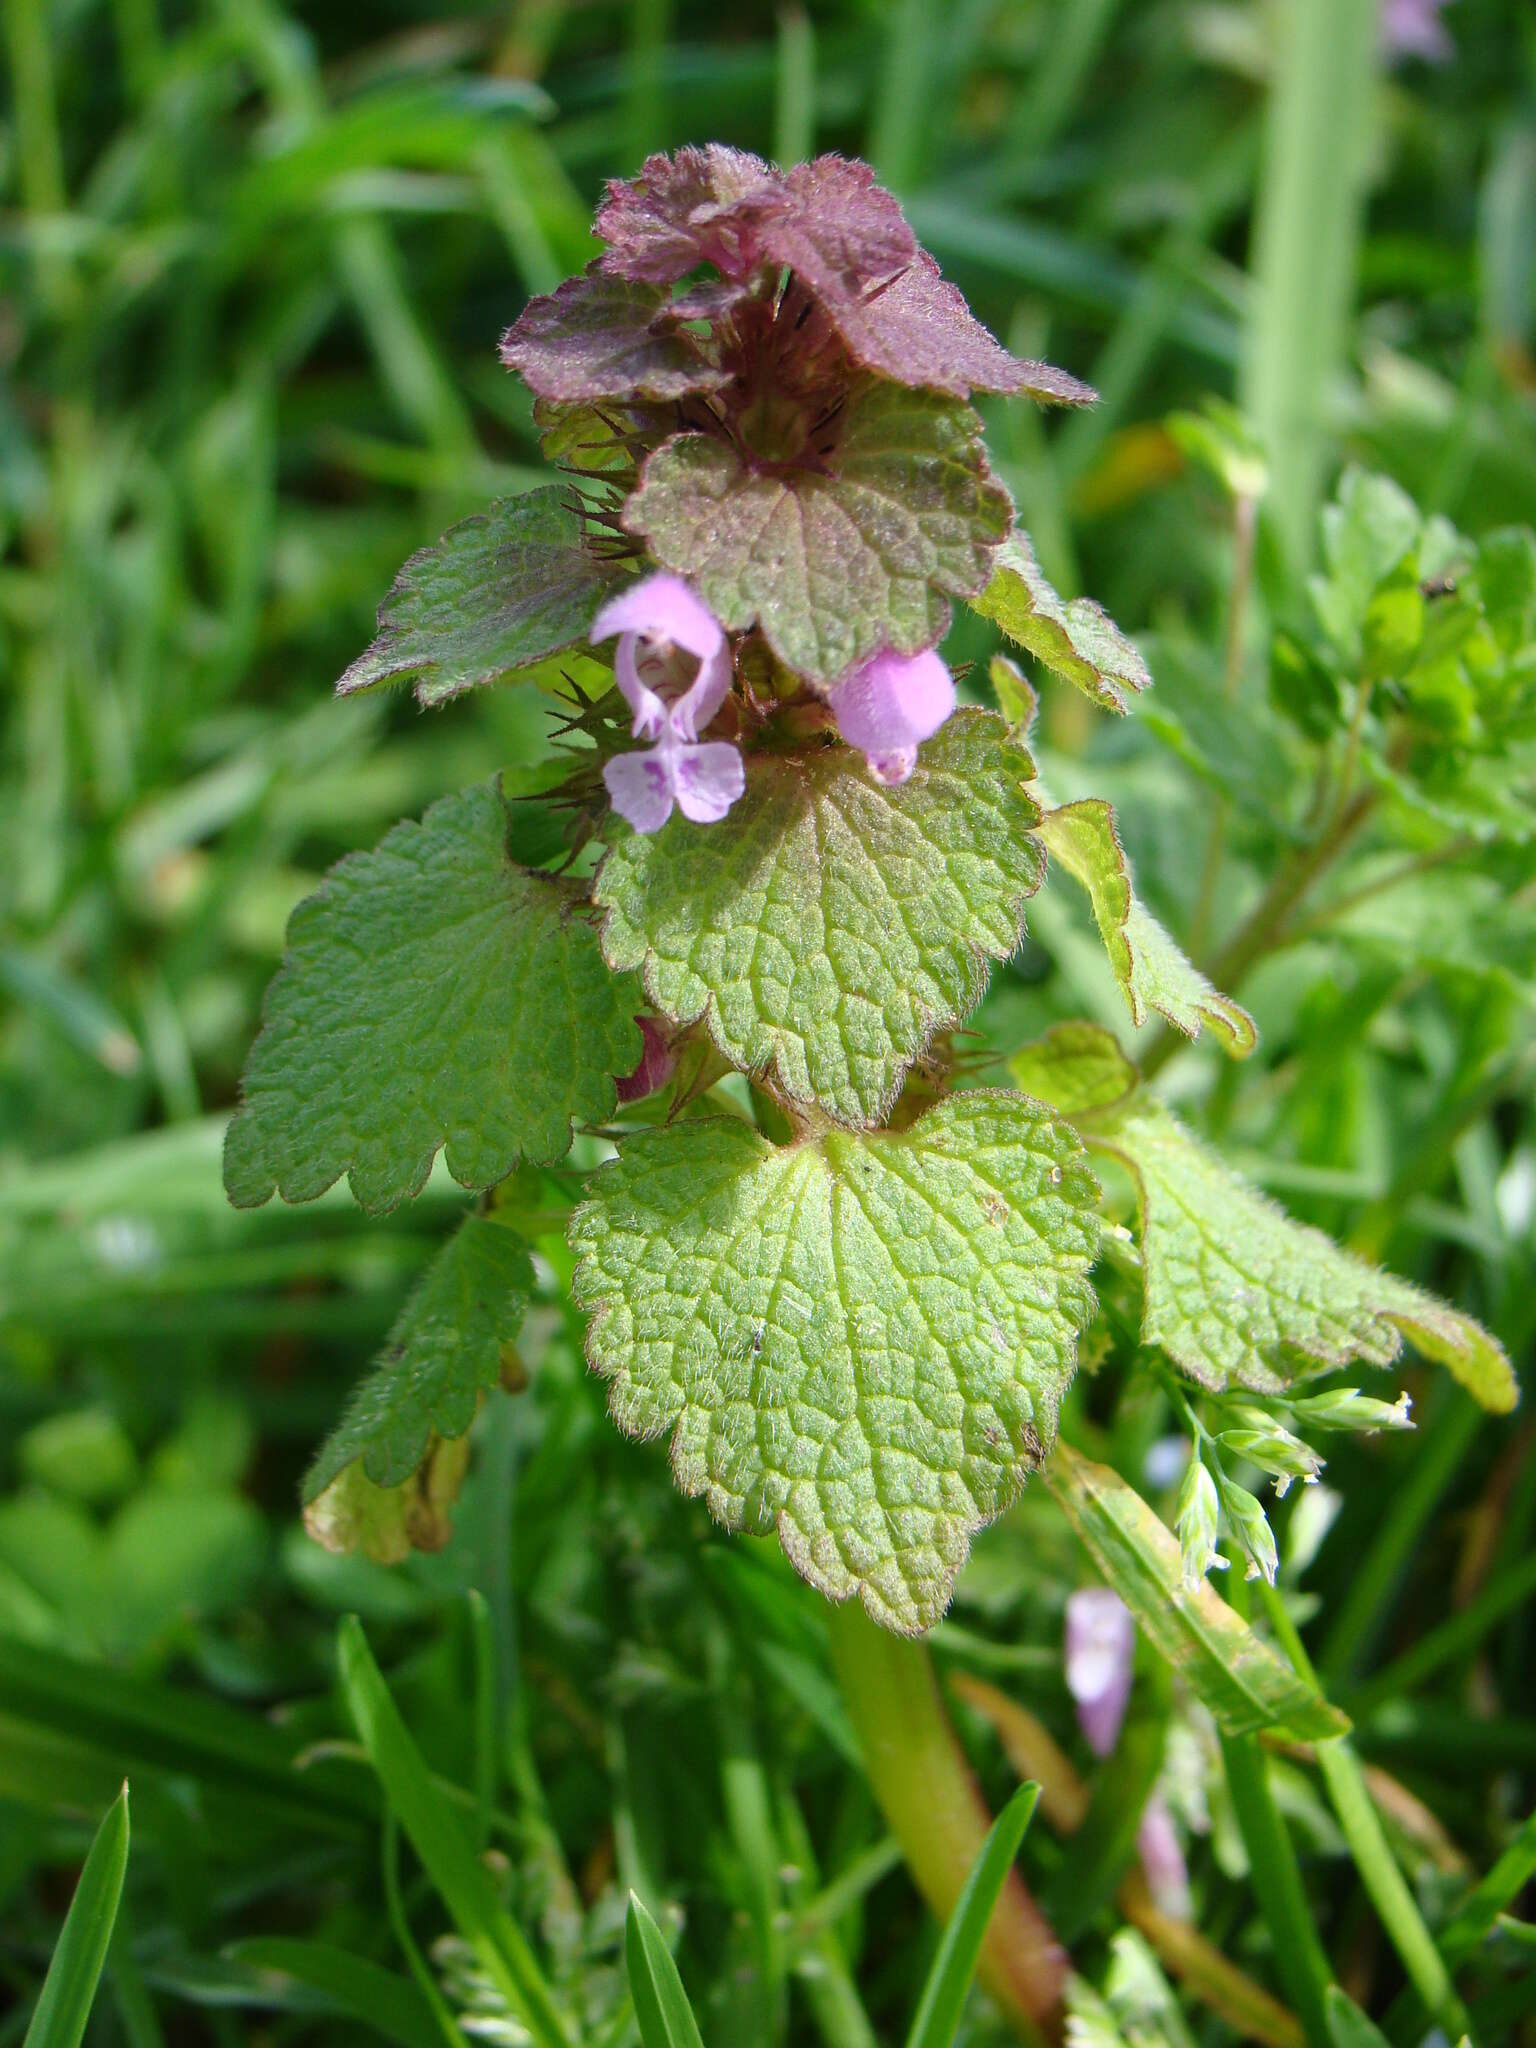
[500, 591]
[680, 211]
[839, 562]
[598, 337]
[838, 231]
[844, 239]
[919, 330]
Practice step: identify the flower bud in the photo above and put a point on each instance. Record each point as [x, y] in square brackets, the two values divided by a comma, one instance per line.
[1252, 1531]
[1275, 1450]
[1348, 1408]
[1197, 1518]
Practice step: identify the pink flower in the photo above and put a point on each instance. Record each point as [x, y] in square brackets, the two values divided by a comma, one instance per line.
[890, 705]
[1101, 1645]
[673, 665]
[1162, 1859]
[1413, 28]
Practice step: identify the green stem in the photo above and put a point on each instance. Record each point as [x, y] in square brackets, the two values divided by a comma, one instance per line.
[1383, 1880]
[1266, 927]
[1390, 878]
[1300, 1958]
[1373, 1586]
[924, 1786]
[1262, 930]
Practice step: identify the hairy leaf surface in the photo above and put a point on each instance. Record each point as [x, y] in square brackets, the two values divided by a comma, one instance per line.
[859, 1340]
[1149, 965]
[1238, 1294]
[499, 591]
[828, 926]
[834, 563]
[843, 238]
[444, 1351]
[1078, 640]
[605, 337]
[1245, 1685]
[919, 330]
[433, 994]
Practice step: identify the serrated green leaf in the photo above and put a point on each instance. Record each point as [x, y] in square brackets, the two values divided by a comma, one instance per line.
[1238, 1294]
[444, 1352]
[1076, 1067]
[1245, 1685]
[1368, 531]
[499, 591]
[1077, 640]
[1149, 965]
[859, 1340]
[433, 994]
[828, 926]
[837, 560]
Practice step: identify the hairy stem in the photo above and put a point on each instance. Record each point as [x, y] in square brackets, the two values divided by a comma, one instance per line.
[924, 1786]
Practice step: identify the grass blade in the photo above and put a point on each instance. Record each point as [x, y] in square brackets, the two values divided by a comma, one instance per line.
[1478, 1911]
[944, 1994]
[377, 1998]
[662, 2011]
[922, 1781]
[1300, 1958]
[64, 2004]
[1306, 230]
[436, 1835]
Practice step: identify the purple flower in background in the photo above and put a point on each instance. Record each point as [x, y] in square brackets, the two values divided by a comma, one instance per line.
[1162, 1859]
[1101, 1645]
[890, 705]
[1413, 28]
[674, 667]
[1100, 1651]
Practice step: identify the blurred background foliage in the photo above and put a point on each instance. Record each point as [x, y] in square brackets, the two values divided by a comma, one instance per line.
[253, 264]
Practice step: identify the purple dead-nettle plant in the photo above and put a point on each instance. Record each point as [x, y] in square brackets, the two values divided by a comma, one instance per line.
[730, 930]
